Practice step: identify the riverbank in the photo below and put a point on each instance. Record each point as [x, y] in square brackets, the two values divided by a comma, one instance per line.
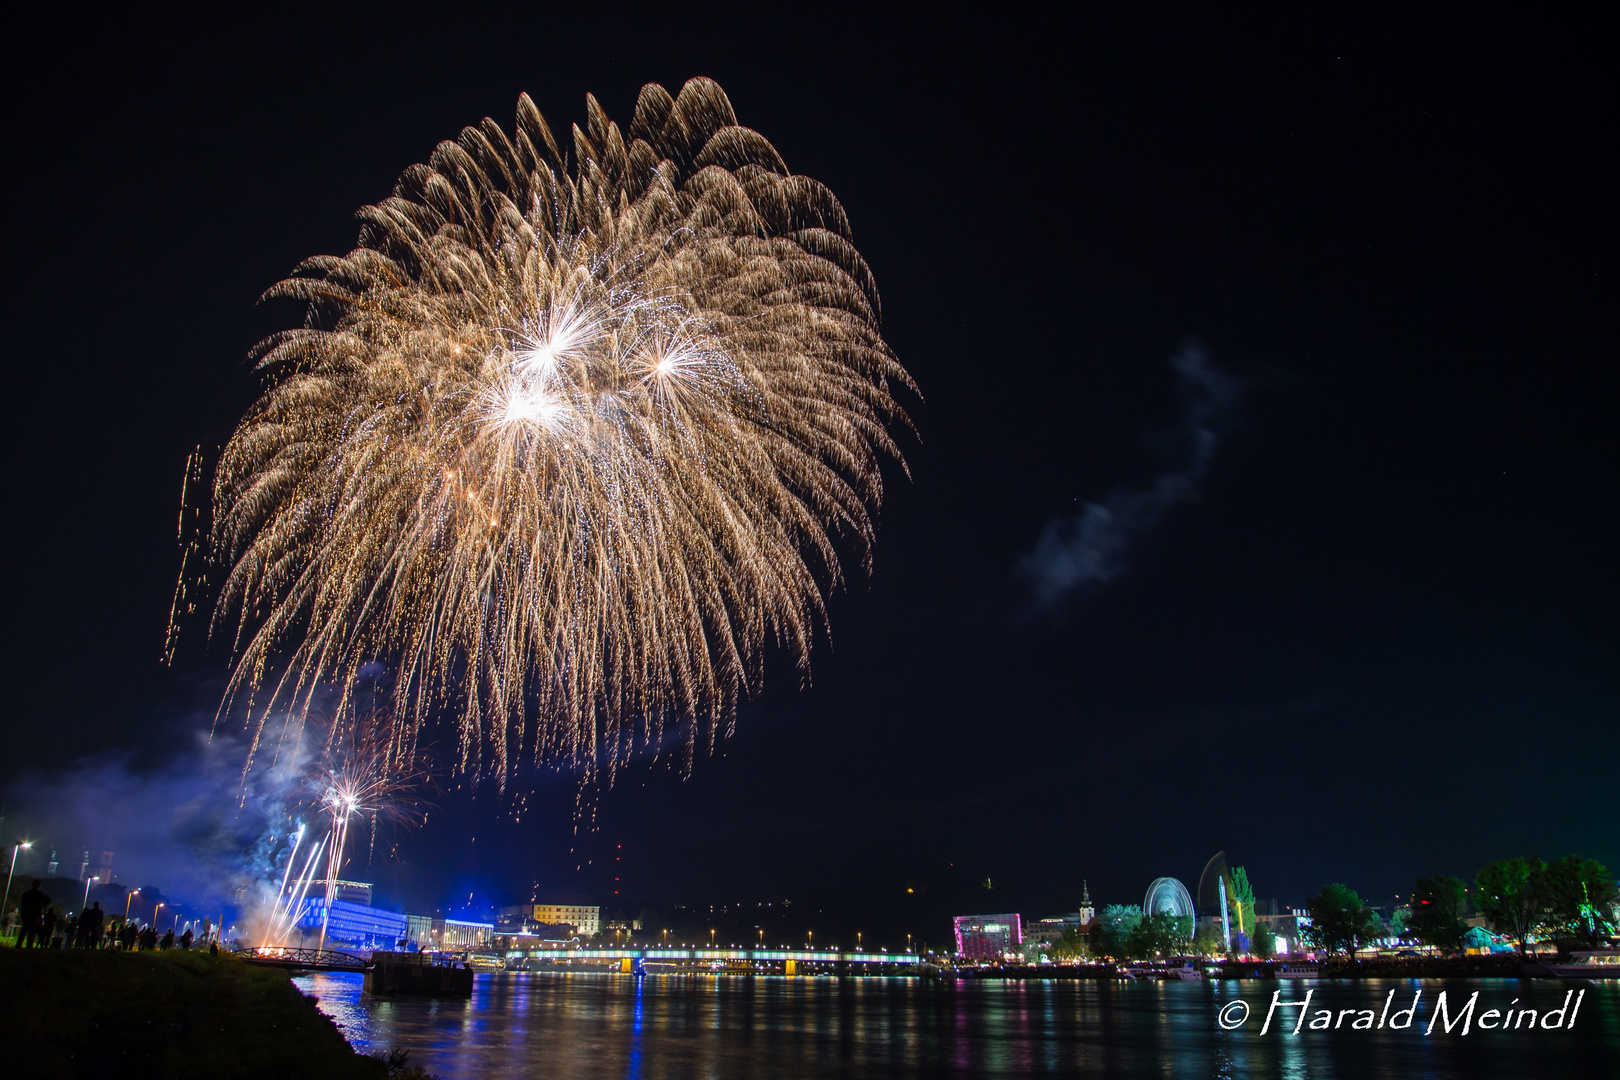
[1505, 966]
[172, 1014]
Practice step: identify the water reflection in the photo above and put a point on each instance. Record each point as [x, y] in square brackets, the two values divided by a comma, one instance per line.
[567, 1025]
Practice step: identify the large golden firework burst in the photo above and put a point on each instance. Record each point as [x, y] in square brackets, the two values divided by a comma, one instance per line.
[567, 441]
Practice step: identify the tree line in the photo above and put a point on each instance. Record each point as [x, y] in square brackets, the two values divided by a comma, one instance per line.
[1570, 901]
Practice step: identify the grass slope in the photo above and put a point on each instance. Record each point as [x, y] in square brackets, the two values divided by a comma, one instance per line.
[174, 1014]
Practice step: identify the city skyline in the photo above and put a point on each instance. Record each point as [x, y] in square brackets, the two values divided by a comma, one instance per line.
[1260, 502]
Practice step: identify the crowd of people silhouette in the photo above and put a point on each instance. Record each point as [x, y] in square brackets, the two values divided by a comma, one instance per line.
[37, 923]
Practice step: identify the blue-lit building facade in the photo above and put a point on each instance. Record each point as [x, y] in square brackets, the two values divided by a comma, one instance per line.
[357, 926]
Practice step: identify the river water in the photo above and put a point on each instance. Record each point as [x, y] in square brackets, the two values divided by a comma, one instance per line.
[601, 1025]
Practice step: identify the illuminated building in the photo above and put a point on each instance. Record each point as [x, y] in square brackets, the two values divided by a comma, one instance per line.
[1048, 930]
[355, 892]
[353, 925]
[449, 935]
[585, 920]
[462, 934]
[988, 937]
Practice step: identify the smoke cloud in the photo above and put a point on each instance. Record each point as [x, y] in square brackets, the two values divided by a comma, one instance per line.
[1089, 549]
[190, 827]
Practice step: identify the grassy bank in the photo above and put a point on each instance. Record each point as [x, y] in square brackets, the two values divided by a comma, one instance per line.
[172, 1014]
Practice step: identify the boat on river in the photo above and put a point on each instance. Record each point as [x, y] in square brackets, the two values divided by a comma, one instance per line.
[486, 962]
[1299, 971]
[1163, 973]
[1589, 964]
[418, 974]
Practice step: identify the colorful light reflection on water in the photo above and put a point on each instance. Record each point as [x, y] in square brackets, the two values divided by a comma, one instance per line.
[590, 1025]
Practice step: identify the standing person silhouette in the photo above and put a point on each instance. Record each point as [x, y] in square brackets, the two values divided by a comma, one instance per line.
[90, 927]
[31, 906]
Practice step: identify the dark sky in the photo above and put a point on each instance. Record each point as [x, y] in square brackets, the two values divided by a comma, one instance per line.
[1364, 631]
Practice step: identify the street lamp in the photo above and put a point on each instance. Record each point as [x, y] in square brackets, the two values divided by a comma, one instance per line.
[154, 914]
[127, 899]
[21, 844]
[87, 883]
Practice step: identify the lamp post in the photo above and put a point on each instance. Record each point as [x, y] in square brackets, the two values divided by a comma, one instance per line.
[19, 846]
[127, 899]
[154, 914]
[87, 883]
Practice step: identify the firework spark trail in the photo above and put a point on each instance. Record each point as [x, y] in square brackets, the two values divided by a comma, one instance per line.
[353, 766]
[284, 918]
[568, 440]
[292, 856]
[340, 812]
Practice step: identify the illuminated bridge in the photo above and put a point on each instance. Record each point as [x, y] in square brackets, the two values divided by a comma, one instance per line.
[787, 961]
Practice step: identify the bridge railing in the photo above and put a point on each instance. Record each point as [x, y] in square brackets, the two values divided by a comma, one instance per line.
[324, 959]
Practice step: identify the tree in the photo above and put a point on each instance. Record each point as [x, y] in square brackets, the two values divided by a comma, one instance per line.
[1115, 926]
[1071, 945]
[1511, 896]
[1579, 894]
[1439, 907]
[1161, 934]
[1340, 922]
[1240, 898]
[1262, 942]
[1207, 942]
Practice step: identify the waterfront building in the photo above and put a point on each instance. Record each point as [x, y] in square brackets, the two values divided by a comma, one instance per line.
[581, 919]
[453, 934]
[1048, 930]
[988, 937]
[355, 892]
[352, 925]
[1043, 931]
[428, 934]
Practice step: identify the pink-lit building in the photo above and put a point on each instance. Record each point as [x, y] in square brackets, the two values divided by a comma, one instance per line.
[988, 937]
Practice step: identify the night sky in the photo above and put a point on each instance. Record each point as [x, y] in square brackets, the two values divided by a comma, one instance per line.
[1353, 613]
